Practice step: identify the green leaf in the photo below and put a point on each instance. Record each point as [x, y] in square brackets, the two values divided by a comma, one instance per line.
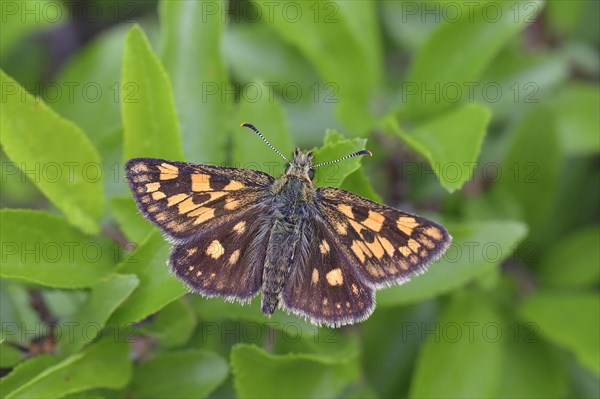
[565, 16]
[531, 166]
[9, 356]
[517, 77]
[256, 55]
[578, 119]
[569, 320]
[104, 298]
[44, 249]
[249, 151]
[184, 374]
[150, 122]
[450, 142]
[477, 249]
[417, 22]
[336, 146]
[259, 374]
[64, 303]
[340, 38]
[174, 325]
[19, 322]
[90, 88]
[133, 225]
[199, 75]
[219, 309]
[392, 338]
[458, 51]
[18, 24]
[532, 367]
[104, 364]
[66, 168]
[26, 371]
[358, 183]
[157, 286]
[579, 253]
[468, 335]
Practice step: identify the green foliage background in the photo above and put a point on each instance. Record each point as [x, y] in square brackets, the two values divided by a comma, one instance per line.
[88, 307]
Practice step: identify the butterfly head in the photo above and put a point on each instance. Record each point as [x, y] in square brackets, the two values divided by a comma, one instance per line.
[302, 162]
[301, 165]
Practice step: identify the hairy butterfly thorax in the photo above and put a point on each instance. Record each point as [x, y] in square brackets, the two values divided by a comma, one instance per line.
[320, 253]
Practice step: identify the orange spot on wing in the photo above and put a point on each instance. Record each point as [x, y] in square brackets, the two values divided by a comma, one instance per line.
[200, 182]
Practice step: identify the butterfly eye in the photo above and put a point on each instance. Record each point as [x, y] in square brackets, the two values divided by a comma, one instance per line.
[311, 174]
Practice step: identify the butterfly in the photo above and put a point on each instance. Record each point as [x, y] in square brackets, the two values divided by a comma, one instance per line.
[320, 253]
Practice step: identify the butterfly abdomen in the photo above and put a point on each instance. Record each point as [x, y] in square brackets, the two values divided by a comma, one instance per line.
[286, 227]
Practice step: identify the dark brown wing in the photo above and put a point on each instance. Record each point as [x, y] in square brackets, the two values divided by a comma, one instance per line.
[226, 260]
[324, 285]
[184, 198]
[386, 246]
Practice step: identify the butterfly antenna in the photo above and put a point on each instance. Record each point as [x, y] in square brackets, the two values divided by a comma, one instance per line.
[255, 130]
[363, 152]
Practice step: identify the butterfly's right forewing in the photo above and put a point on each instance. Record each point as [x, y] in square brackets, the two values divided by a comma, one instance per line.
[386, 246]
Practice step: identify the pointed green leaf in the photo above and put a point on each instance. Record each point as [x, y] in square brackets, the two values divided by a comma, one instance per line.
[150, 122]
[191, 51]
[336, 146]
[54, 153]
[451, 142]
[44, 249]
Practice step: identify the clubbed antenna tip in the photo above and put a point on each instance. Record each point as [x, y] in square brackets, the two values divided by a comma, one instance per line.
[255, 130]
[362, 152]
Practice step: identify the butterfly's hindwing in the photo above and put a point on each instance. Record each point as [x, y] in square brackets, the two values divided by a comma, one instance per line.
[226, 260]
[183, 198]
[323, 285]
[387, 246]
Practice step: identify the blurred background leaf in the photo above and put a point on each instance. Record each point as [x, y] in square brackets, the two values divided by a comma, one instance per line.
[482, 116]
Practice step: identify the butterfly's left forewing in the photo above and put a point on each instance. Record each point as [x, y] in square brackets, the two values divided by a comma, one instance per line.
[386, 246]
[183, 199]
[215, 218]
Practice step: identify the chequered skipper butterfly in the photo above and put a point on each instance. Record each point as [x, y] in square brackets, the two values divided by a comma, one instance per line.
[319, 253]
